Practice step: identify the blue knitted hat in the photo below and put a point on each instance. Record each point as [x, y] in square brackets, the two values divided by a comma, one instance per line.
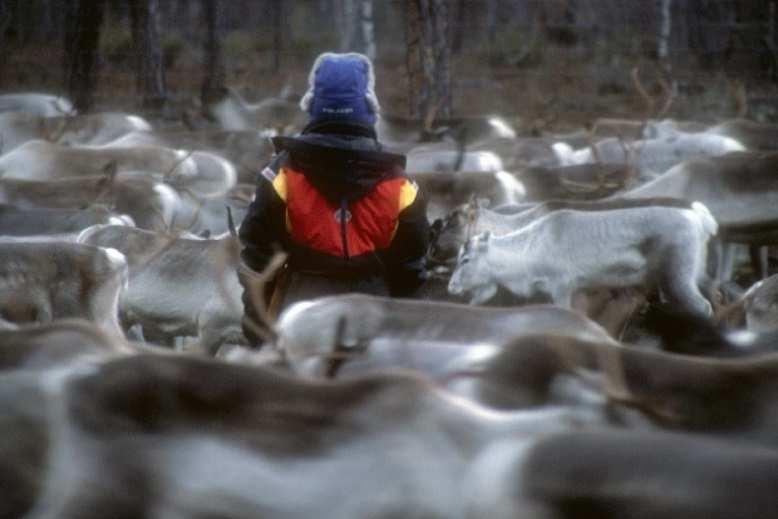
[341, 88]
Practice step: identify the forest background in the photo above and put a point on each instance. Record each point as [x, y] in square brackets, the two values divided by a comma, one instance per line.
[541, 64]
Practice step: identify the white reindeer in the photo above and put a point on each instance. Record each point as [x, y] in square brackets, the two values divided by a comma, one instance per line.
[569, 250]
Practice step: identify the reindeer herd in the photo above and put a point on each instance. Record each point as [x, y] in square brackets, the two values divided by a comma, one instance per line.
[597, 336]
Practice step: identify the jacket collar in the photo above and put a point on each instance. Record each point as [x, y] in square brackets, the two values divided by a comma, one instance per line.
[340, 166]
[343, 129]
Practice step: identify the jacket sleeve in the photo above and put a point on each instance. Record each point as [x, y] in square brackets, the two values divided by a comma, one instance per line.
[405, 258]
[264, 229]
[261, 234]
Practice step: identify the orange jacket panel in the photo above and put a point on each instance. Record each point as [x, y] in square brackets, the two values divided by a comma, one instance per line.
[315, 222]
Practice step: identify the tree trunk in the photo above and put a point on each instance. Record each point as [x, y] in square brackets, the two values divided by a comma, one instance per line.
[149, 69]
[414, 43]
[57, 21]
[665, 28]
[491, 23]
[277, 19]
[771, 42]
[368, 29]
[712, 31]
[23, 26]
[679, 41]
[44, 20]
[427, 60]
[5, 21]
[81, 50]
[188, 14]
[214, 75]
[348, 18]
[167, 11]
[356, 27]
[70, 15]
[458, 25]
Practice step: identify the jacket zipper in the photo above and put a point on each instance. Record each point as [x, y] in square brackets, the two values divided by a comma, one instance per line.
[343, 223]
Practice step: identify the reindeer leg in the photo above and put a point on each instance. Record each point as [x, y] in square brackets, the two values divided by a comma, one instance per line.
[678, 283]
[758, 255]
[725, 256]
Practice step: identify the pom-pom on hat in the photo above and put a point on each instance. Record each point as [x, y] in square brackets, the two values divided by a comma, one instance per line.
[341, 88]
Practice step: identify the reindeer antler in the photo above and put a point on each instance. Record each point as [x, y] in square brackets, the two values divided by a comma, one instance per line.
[651, 102]
[256, 282]
[167, 175]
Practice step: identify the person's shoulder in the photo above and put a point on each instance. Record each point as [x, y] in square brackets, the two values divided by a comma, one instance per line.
[270, 172]
[408, 192]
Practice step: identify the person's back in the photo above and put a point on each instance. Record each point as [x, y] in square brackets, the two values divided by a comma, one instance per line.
[343, 210]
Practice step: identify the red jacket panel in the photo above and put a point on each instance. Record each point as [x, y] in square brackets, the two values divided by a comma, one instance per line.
[315, 222]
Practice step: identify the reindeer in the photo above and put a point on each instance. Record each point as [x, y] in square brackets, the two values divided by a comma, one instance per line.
[180, 285]
[44, 105]
[202, 173]
[278, 115]
[41, 282]
[371, 333]
[741, 192]
[567, 250]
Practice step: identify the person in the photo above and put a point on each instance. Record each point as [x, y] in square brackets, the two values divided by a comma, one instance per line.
[339, 205]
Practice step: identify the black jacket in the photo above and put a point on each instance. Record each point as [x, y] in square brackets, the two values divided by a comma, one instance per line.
[343, 163]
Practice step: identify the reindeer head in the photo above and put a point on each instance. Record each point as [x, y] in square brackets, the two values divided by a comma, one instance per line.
[473, 273]
[448, 234]
[76, 130]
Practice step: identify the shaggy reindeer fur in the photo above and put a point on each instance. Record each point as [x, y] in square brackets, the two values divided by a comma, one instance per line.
[41, 282]
[568, 250]
[179, 286]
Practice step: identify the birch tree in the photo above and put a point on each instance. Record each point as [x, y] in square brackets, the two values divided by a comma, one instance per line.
[214, 75]
[81, 50]
[5, 21]
[357, 27]
[347, 23]
[277, 21]
[458, 21]
[428, 60]
[368, 28]
[665, 28]
[149, 69]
